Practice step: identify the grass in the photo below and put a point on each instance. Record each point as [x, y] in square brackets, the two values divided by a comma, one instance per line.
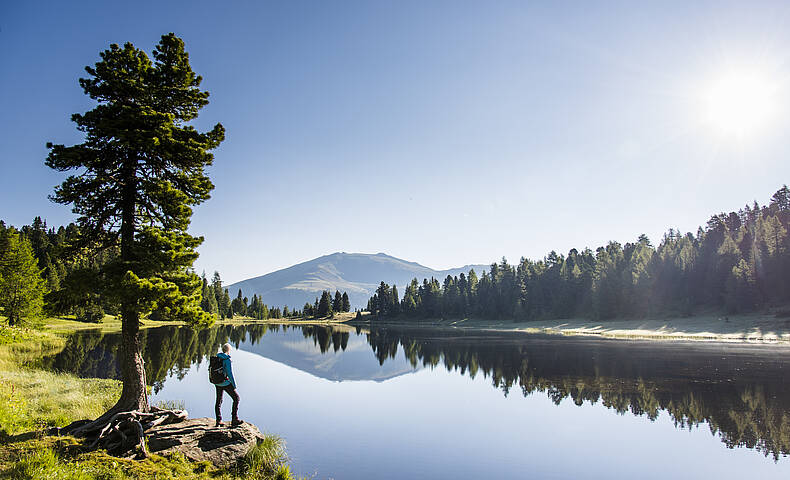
[32, 399]
[110, 324]
[62, 458]
[171, 404]
[41, 398]
[336, 318]
[267, 460]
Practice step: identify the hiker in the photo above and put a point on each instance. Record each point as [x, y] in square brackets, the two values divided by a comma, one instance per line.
[229, 385]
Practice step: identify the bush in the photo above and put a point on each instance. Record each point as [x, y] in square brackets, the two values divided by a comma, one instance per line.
[90, 312]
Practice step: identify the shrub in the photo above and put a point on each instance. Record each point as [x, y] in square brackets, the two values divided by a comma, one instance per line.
[90, 312]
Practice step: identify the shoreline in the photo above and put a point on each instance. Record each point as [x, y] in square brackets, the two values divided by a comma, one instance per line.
[32, 399]
[110, 324]
[755, 329]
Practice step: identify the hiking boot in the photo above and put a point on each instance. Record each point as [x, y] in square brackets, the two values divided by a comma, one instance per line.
[236, 422]
[218, 424]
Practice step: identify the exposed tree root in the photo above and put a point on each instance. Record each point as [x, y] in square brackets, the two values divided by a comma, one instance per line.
[123, 433]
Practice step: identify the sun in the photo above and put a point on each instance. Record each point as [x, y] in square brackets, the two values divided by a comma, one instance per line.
[740, 103]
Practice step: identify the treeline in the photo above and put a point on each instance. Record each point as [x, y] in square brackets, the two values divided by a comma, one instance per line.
[44, 270]
[216, 300]
[49, 271]
[738, 262]
[325, 305]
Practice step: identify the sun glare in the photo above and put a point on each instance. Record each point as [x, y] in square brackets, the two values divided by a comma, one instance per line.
[739, 103]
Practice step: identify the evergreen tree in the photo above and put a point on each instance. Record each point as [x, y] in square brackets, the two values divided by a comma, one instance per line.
[383, 306]
[394, 308]
[324, 305]
[141, 170]
[345, 304]
[21, 285]
[224, 305]
[216, 289]
[208, 301]
[238, 305]
[409, 305]
[337, 303]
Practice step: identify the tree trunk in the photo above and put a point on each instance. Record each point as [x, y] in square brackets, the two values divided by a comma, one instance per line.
[134, 395]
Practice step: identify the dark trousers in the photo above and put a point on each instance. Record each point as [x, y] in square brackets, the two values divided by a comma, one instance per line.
[234, 412]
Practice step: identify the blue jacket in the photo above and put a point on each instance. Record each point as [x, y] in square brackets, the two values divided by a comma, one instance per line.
[228, 370]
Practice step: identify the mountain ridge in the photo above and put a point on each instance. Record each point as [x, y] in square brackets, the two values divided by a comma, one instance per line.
[356, 273]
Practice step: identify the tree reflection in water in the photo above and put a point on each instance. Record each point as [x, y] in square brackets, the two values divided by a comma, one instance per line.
[739, 391]
[167, 351]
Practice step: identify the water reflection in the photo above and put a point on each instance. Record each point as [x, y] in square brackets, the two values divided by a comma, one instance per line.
[167, 351]
[738, 391]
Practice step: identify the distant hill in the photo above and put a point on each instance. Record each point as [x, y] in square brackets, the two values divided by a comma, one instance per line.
[356, 273]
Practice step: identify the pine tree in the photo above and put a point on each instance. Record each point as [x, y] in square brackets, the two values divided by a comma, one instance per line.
[345, 304]
[225, 309]
[216, 288]
[238, 305]
[337, 303]
[208, 301]
[324, 305]
[21, 285]
[140, 173]
[384, 304]
[395, 304]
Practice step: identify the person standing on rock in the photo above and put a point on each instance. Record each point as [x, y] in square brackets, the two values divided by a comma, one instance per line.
[229, 386]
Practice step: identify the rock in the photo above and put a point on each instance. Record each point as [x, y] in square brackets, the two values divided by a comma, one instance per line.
[198, 440]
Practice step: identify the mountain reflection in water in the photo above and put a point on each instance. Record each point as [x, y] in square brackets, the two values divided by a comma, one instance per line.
[739, 391]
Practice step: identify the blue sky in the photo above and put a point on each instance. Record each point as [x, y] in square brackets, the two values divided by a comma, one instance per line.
[445, 133]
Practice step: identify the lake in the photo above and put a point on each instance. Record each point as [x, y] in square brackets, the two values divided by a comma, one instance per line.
[395, 403]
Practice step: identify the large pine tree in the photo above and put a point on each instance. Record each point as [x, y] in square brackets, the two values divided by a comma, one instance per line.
[137, 175]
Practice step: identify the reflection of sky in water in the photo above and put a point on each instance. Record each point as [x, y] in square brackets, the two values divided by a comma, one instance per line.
[439, 424]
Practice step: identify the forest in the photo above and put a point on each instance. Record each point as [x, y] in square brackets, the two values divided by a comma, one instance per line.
[52, 271]
[739, 262]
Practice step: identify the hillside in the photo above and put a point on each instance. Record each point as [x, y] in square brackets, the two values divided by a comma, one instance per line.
[356, 273]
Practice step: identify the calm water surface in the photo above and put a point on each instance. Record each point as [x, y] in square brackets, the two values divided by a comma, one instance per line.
[417, 403]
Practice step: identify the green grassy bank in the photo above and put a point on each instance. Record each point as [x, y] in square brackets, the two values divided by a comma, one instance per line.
[32, 399]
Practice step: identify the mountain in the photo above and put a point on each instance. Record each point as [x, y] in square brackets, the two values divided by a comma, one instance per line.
[356, 273]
